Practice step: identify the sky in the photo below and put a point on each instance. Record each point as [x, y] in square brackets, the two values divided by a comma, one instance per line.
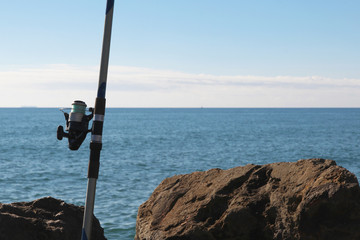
[189, 53]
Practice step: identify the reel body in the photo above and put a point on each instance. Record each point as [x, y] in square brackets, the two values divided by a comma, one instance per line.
[77, 124]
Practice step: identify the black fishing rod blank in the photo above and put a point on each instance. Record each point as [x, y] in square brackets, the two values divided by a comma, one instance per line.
[97, 128]
[77, 123]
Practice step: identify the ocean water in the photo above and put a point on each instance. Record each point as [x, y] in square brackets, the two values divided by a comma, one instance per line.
[141, 147]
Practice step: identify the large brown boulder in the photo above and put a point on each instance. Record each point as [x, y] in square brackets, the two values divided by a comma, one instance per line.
[308, 199]
[44, 219]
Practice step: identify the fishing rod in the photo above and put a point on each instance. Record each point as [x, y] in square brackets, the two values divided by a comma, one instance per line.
[77, 125]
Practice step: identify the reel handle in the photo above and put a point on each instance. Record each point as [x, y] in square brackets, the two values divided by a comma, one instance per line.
[61, 133]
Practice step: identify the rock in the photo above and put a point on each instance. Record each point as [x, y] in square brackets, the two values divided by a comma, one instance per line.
[42, 219]
[308, 199]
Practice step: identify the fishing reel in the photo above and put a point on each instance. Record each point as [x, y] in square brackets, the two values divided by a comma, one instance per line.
[77, 124]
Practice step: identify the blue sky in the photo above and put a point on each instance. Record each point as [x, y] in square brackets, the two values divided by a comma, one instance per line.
[165, 53]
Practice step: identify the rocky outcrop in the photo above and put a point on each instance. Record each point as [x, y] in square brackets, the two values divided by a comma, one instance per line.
[44, 219]
[307, 199]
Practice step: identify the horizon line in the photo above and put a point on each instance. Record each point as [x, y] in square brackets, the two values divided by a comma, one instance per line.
[202, 107]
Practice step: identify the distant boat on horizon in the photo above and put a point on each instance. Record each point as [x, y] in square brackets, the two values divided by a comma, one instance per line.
[28, 107]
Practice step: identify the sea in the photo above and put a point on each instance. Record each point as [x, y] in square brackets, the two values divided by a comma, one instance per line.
[142, 147]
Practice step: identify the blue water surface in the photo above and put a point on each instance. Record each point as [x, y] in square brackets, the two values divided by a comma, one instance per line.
[141, 147]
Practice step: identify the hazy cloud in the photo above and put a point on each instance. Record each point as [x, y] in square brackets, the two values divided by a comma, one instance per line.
[134, 86]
